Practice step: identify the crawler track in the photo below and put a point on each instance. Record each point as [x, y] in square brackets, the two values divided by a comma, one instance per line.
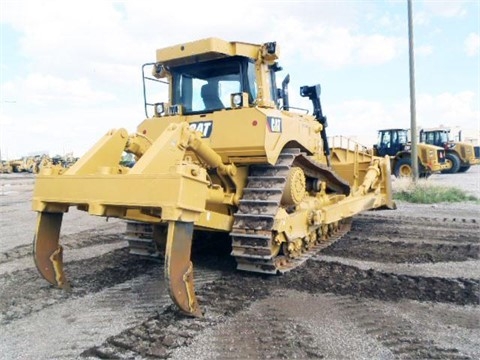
[253, 238]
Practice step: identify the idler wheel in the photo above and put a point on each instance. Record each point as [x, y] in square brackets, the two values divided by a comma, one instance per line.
[295, 187]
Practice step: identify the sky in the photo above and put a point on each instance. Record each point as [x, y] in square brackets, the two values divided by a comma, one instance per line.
[71, 70]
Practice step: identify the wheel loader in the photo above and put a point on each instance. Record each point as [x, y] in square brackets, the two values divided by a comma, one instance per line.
[459, 155]
[395, 143]
[225, 152]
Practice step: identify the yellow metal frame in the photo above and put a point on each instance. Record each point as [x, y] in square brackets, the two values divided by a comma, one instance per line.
[186, 181]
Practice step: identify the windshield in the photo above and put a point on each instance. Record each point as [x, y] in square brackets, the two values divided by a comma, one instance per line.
[435, 137]
[443, 137]
[389, 138]
[205, 87]
[402, 137]
[383, 139]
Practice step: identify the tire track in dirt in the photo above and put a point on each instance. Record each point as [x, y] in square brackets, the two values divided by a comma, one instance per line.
[389, 216]
[344, 279]
[415, 229]
[395, 332]
[79, 323]
[69, 242]
[158, 336]
[162, 335]
[25, 291]
[402, 252]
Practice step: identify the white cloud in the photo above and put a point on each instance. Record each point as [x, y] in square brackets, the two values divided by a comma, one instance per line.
[337, 47]
[439, 9]
[460, 109]
[472, 44]
[40, 89]
[378, 49]
[446, 8]
[68, 39]
[59, 129]
[63, 36]
[420, 17]
[361, 119]
[89, 54]
[424, 50]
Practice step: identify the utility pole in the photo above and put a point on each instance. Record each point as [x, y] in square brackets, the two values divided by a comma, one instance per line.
[413, 116]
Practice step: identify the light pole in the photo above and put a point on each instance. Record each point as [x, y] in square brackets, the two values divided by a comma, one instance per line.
[413, 117]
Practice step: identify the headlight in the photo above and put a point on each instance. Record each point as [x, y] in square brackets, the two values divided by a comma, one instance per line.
[159, 109]
[237, 99]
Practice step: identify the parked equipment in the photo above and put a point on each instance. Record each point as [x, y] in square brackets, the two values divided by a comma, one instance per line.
[395, 143]
[224, 153]
[459, 155]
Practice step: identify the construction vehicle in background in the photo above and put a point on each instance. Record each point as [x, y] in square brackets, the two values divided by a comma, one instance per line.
[459, 155]
[33, 164]
[30, 164]
[224, 153]
[25, 164]
[5, 167]
[396, 144]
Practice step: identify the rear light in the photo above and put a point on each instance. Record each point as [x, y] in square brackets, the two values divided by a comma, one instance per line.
[441, 156]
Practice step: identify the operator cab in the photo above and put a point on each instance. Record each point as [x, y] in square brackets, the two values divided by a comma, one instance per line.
[212, 75]
[208, 86]
[435, 137]
[391, 141]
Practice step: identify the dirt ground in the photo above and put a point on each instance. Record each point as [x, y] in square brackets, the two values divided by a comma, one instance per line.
[401, 284]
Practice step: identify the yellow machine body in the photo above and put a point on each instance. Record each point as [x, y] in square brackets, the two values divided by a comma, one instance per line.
[247, 166]
[429, 157]
[460, 155]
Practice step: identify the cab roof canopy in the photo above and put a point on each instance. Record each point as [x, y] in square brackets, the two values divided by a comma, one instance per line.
[393, 129]
[205, 49]
[441, 128]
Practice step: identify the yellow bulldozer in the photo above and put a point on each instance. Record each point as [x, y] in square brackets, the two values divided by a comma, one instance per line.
[5, 167]
[225, 152]
[30, 164]
[25, 164]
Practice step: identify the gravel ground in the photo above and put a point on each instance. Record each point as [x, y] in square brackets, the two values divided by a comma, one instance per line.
[401, 284]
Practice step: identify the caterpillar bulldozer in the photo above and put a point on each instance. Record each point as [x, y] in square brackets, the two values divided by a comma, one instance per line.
[224, 153]
[460, 156]
[395, 143]
[5, 167]
[30, 164]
